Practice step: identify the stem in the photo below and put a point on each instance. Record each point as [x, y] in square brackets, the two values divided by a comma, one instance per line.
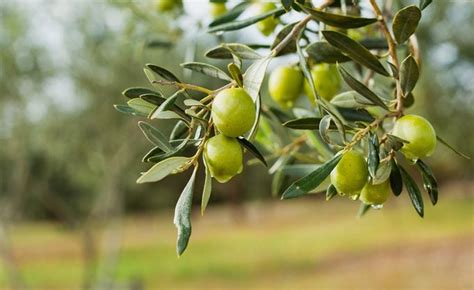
[184, 86]
[361, 133]
[392, 48]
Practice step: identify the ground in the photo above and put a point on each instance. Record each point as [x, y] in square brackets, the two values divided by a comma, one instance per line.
[297, 244]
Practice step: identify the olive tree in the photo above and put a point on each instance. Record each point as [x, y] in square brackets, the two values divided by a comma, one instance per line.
[357, 65]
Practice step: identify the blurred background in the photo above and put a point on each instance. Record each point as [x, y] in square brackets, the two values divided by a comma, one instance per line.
[72, 216]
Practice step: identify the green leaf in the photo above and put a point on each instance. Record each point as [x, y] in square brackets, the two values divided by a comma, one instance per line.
[141, 106]
[322, 51]
[405, 23]
[159, 43]
[236, 74]
[424, 3]
[207, 189]
[165, 106]
[452, 148]
[373, 157]
[331, 192]
[182, 214]
[287, 4]
[408, 75]
[159, 100]
[158, 157]
[250, 147]
[429, 181]
[361, 88]
[207, 69]
[254, 75]
[356, 115]
[125, 109]
[282, 34]
[324, 126]
[311, 123]
[355, 51]
[338, 20]
[231, 15]
[350, 100]
[228, 50]
[383, 172]
[162, 169]
[312, 180]
[155, 136]
[396, 181]
[132, 93]
[394, 143]
[413, 191]
[162, 72]
[239, 24]
[363, 209]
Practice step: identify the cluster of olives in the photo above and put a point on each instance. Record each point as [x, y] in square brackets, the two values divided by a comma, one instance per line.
[287, 83]
[350, 176]
[233, 113]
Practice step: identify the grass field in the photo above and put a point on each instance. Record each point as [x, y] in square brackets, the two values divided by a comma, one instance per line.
[304, 244]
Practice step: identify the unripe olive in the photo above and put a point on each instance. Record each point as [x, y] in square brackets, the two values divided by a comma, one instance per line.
[326, 80]
[233, 112]
[285, 85]
[420, 135]
[267, 25]
[375, 194]
[167, 5]
[350, 174]
[217, 9]
[224, 157]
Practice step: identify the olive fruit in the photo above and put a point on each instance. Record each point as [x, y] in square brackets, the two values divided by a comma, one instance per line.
[224, 157]
[327, 81]
[217, 9]
[285, 85]
[168, 5]
[350, 174]
[375, 194]
[267, 25]
[419, 133]
[233, 112]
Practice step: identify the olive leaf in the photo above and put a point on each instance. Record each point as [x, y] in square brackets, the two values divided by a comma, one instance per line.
[312, 180]
[207, 189]
[324, 125]
[155, 136]
[166, 105]
[126, 109]
[363, 209]
[424, 3]
[413, 191]
[162, 72]
[207, 69]
[291, 46]
[355, 51]
[236, 74]
[254, 75]
[239, 24]
[255, 152]
[136, 92]
[394, 143]
[182, 214]
[331, 192]
[429, 181]
[383, 172]
[229, 50]
[350, 100]
[452, 148]
[396, 181]
[162, 169]
[310, 123]
[409, 74]
[322, 51]
[231, 15]
[405, 23]
[338, 20]
[373, 157]
[361, 88]
[287, 4]
[141, 106]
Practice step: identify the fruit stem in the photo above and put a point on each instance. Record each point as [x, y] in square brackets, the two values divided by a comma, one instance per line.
[363, 132]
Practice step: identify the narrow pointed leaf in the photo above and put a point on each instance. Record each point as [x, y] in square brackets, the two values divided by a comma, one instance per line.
[413, 191]
[162, 72]
[396, 181]
[452, 148]
[331, 192]
[141, 106]
[239, 24]
[405, 23]
[126, 109]
[287, 4]
[409, 74]
[311, 123]
[338, 20]
[424, 3]
[155, 136]
[291, 46]
[250, 147]
[312, 180]
[182, 214]
[132, 93]
[163, 169]
[355, 51]
[229, 50]
[231, 15]
[373, 157]
[322, 51]
[361, 88]
[429, 181]
[254, 75]
[207, 189]
[207, 69]
[383, 172]
[363, 209]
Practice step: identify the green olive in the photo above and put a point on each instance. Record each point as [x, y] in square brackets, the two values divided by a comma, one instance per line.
[224, 157]
[267, 25]
[233, 112]
[350, 174]
[326, 80]
[375, 194]
[285, 85]
[420, 135]
[217, 9]
[168, 5]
